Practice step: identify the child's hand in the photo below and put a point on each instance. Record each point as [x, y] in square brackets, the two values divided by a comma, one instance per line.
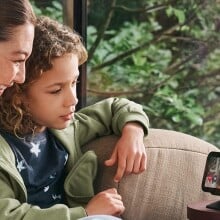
[107, 202]
[129, 152]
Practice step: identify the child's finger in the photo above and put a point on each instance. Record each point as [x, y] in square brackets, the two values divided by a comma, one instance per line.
[112, 160]
[120, 170]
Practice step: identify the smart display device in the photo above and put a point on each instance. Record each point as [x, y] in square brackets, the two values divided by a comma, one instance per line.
[211, 177]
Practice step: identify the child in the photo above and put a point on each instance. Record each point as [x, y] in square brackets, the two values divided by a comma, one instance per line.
[44, 174]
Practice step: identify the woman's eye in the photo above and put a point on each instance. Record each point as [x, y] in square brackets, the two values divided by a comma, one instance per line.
[18, 62]
[75, 82]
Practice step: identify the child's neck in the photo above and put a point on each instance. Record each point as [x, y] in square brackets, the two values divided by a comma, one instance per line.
[41, 129]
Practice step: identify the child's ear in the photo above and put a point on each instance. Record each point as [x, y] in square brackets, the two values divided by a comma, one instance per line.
[18, 100]
[22, 98]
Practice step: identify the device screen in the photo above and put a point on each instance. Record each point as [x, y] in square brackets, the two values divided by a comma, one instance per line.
[211, 177]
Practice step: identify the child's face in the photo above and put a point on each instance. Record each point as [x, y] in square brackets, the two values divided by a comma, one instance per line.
[52, 98]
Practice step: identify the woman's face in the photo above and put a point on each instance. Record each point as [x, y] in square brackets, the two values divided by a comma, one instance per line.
[13, 54]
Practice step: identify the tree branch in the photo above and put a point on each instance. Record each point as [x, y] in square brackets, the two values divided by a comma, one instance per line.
[134, 50]
[102, 30]
[140, 10]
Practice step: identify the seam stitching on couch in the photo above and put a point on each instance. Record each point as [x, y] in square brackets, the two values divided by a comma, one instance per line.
[178, 149]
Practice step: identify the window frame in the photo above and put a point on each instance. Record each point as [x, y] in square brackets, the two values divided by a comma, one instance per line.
[80, 25]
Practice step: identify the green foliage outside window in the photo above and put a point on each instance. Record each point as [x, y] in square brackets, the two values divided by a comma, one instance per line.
[162, 54]
[53, 9]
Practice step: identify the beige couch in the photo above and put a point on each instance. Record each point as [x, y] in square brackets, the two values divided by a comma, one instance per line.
[172, 180]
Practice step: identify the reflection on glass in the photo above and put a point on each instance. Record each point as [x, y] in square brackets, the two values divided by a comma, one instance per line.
[213, 175]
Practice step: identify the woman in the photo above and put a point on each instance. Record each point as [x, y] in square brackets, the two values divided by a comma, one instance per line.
[16, 38]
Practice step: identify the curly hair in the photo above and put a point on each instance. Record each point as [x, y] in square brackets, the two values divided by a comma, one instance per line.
[51, 40]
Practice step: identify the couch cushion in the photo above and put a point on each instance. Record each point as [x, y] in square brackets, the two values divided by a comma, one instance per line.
[172, 180]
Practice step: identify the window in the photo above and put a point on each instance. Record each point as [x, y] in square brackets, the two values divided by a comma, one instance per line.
[161, 54]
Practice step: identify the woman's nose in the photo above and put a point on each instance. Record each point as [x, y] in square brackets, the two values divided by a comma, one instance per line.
[20, 76]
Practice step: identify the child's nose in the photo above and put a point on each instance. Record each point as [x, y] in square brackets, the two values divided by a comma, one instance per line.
[71, 99]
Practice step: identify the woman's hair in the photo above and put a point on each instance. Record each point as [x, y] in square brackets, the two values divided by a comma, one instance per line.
[14, 13]
[52, 40]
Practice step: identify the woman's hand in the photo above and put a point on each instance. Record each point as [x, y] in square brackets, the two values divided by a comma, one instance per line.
[129, 152]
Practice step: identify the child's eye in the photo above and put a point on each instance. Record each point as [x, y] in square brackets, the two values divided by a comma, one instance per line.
[55, 91]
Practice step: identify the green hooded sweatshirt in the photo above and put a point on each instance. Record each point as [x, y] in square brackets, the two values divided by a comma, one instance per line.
[103, 118]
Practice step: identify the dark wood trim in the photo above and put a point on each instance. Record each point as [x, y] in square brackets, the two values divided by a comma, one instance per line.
[80, 25]
[68, 12]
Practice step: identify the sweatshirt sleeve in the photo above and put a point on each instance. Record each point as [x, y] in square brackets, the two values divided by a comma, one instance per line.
[11, 208]
[108, 117]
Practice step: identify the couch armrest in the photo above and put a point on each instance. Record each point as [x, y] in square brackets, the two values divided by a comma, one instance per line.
[172, 180]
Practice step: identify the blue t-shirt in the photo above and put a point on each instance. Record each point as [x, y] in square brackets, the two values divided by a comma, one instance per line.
[40, 160]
